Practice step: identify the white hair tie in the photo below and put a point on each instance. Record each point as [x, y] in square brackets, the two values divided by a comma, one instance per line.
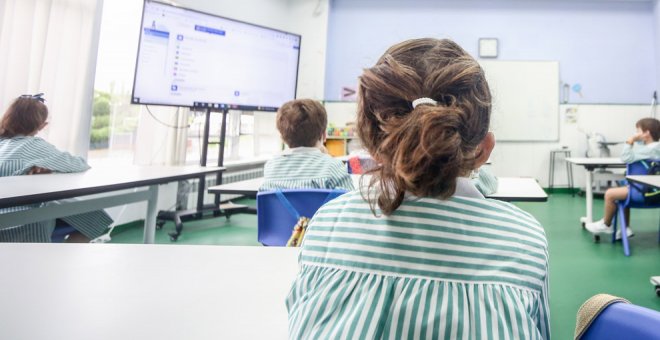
[424, 100]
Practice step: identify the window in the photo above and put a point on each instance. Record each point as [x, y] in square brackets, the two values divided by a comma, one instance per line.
[115, 122]
[114, 119]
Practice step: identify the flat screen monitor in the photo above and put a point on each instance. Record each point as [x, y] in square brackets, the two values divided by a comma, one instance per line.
[195, 59]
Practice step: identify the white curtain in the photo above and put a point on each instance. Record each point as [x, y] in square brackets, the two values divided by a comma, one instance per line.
[50, 46]
[161, 136]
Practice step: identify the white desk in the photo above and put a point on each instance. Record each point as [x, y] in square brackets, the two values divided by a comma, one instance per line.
[106, 291]
[519, 189]
[590, 164]
[512, 189]
[22, 190]
[652, 180]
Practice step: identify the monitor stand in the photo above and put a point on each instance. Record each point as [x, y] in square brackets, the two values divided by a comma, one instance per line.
[179, 216]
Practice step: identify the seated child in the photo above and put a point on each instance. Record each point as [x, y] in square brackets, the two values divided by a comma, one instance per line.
[420, 253]
[22, 153]
[485, 181]
[642, 145]
[302, 124]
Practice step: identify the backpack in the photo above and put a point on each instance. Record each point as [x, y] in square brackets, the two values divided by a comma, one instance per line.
[651, 194]
[298, 232]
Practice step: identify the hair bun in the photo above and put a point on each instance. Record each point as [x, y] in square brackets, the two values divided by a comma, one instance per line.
[423, 150]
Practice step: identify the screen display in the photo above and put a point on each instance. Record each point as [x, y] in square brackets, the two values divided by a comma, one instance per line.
[194, 59]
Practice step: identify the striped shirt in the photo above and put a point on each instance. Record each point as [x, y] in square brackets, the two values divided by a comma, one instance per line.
[485, 181]
[305, 168]
[20, 154]
[462, 268]
[640, 151]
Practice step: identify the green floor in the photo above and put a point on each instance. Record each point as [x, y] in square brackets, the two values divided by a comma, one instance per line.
[579, 268]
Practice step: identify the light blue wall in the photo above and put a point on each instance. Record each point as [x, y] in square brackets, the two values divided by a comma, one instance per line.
[608, 48]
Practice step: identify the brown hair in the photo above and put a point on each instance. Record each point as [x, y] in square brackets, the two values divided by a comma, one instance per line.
[422, 150]
[301, 122]
[23, 117]
[651, 125]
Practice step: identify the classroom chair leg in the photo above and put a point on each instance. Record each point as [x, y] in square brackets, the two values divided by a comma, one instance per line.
[624, 236]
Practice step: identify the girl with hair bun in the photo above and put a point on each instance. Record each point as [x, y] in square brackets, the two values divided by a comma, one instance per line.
[23, 153]
[419, 252]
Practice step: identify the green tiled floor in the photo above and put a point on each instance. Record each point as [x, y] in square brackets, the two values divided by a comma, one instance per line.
[579, 268]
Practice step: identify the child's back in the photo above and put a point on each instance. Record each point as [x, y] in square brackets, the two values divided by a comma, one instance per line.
[442, 269]
[421, 253]
[22, 153]
[302, 124]
[305, 168]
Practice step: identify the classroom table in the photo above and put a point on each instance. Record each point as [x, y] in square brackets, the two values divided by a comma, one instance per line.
[23, 190]
[654, 181]
[651, 180]
[511, 189]
[590, 164]
[118, 291]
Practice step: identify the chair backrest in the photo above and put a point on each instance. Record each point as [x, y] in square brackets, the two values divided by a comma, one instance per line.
[624, 321]
[636, 191]
[360, 164]
[274, 220]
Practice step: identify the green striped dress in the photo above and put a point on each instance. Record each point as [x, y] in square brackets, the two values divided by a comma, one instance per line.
[305, 168]
[463, 268]
[17, 156]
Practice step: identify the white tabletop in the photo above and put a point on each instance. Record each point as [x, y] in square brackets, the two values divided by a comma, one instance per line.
[519, 189]
[610, 161]
[652, 180]
[40, 188]
[509, 188]
[104, 291]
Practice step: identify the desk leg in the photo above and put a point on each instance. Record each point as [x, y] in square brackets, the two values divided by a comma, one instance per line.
[152, 212]
[590, 198]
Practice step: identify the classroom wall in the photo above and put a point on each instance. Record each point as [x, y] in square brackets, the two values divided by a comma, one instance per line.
[614, 122]
[607, 47]
[514, 159]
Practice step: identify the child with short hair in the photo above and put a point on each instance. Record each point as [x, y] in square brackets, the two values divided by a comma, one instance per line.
[22, 153]
[421, 253]
[302, 124]
[642, 145]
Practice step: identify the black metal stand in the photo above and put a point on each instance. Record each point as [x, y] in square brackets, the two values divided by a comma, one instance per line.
[178, 217]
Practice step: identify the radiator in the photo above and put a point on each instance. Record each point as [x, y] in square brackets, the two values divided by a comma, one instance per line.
[187, 193]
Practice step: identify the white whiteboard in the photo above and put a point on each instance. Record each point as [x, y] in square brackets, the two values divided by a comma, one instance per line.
[525, 99]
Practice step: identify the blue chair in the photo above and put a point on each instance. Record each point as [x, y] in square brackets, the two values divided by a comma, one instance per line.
[624, 321]
[279, 210]
[635, 199]
[61, 231]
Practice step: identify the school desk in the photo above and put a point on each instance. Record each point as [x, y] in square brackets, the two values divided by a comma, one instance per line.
[512, 189]
[654, 181]
[590, 164]
[122, 291]
[651, 180]
[23, 190]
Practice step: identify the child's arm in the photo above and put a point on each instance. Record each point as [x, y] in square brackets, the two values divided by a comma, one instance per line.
[486, 182]
[340, 179]
[543, 314]
[45, 155]
[632, 153]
